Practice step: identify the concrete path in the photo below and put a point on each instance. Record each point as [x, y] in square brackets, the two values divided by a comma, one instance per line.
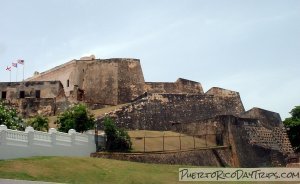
[9, 181]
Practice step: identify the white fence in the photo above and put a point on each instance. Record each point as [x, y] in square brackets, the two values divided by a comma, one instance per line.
[19, 144]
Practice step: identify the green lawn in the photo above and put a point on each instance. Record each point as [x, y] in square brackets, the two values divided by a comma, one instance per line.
[87, 170]
[90, 170]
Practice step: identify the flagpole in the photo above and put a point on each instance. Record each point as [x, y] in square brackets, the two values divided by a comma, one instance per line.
[17, 74]
[23, 71]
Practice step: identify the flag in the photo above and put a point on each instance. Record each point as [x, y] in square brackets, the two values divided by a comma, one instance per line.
[8, 68]
[21, 61]
[15, 65]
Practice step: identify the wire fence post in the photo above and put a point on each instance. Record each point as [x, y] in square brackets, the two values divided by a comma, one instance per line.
[194, 142]
[180, 142]
[144, 144]
[164, 142]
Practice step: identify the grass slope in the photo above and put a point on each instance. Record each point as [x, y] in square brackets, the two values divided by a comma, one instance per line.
[92, 170]
[87, 170]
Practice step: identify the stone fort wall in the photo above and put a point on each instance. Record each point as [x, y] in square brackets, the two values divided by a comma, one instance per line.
[34, 97]
[46, 89]
[180, 86]
[103, 81]
[252, 144]
[162, 111]
[110, 81]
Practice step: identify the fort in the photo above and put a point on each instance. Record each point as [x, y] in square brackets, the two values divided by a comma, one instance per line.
[254, 138]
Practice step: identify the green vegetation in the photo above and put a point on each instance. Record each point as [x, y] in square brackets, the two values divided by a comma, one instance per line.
[39, 123]
[10, 118]
[293, 126]
[87, 170]
[117, 139]
[96, 113]
[77, 117]
[93, 170]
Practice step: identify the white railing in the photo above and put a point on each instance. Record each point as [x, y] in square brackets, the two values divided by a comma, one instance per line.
[16, 135]
[18, 144]
[42, 136]
[63, 137]
[81, 137]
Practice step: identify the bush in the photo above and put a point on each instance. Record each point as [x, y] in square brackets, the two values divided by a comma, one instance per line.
[39, 123]
[293, 126]
[10, 118]
[77, 117]
[117, 139]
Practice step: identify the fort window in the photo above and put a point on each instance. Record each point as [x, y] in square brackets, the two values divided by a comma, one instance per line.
[3, 95]
[22, 94]
[38, 94]
[68, 83]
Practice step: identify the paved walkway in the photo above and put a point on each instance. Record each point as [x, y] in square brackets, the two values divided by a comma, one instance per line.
[9, 181]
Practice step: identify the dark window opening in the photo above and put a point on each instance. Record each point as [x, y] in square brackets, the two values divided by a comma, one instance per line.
[38, 94]
[68, 83]
[3, 96]
[22, 94]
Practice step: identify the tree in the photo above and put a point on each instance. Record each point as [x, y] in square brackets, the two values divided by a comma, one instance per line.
[10, 118]
[77, 117]
[39, 123]
[117, 139]
[293, 127]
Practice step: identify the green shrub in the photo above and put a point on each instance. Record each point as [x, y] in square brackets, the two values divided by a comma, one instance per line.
[10, 118]
[116, 139]
[293, 126]
[77, 117]
[39, 123]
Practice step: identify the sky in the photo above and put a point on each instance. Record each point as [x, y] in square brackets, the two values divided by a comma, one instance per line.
[249, 46]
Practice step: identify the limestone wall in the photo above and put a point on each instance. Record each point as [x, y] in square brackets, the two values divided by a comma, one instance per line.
[130, 80]
[248, 152]
[61, 73]
[195, 157]
[216, 91]
[48, 89]
[267, 118]
[51, 100]
[252, 144]
[214, 130]
[102, 81]
[99, 82]
[180, 86]
[161, 111]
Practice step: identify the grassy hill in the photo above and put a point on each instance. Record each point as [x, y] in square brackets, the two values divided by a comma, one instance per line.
[92, 170]
[87, 170]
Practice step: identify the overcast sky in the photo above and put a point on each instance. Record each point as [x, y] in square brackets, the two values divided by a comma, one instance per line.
[250, 46]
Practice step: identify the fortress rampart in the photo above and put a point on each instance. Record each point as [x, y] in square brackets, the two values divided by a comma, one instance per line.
[161, 111]
[255, 138]
[101, 81]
